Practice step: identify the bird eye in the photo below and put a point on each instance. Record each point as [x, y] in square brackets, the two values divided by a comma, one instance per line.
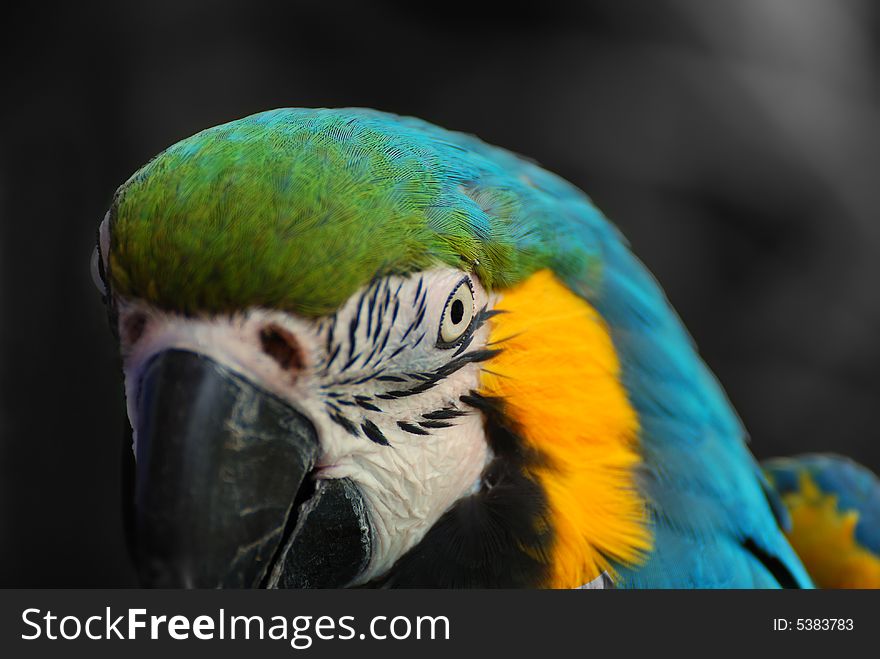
[98, 272]
[457, 315]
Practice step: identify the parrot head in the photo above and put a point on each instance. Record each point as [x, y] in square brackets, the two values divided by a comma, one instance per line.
[359, 349]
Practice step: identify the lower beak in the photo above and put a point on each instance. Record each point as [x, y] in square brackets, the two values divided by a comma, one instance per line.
[222, 470]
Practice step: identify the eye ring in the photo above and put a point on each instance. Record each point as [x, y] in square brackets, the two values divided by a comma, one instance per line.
[458, 315]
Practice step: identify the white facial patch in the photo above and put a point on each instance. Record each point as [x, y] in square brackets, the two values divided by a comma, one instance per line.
[378, 379]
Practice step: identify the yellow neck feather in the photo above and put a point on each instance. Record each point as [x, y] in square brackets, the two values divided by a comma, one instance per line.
[558, 374]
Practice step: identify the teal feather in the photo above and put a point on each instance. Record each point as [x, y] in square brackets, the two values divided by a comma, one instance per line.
[714, 525]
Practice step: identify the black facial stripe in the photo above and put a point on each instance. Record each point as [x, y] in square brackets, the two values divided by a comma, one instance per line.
[332, 357]
[435, 424]
[475, 400]
[411, 327]
[371, 430]
[380, 312]
[379, 306]
[418, 292]
[397, 351]
[421, 316]
[368, 406]
[465, 345]
[390, 378]
[330, 332]
[367, 378]
[387, 297]
[463, 360]
[353, 326]
[485, 314]
[378, 327]
[350, 362]
[444, 414]
[384, 342]
[403, 393]
[424, 302]
[371, 355]
[429, 380]
[345, 423]
[371, 308]
[410, 428]
[375, 307]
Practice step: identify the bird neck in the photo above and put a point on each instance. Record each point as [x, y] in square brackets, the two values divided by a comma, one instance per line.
[559, 378]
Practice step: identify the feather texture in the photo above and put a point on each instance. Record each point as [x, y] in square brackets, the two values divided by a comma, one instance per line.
[297, 209]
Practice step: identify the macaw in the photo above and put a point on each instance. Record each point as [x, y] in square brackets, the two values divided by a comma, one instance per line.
[361, 350]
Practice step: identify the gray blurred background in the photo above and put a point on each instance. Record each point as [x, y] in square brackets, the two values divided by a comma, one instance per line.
[735, 143]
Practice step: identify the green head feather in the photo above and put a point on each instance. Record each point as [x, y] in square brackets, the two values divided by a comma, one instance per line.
[296, 209]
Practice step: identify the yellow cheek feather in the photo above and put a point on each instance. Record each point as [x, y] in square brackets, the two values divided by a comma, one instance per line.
[824, 538]
[559, 375]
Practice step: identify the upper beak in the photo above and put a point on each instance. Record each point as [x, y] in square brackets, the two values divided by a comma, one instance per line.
[222, 470]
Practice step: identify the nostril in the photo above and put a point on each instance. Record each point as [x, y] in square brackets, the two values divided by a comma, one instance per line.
[281, 346]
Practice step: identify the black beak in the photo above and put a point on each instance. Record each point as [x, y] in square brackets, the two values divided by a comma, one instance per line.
[222, 469]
